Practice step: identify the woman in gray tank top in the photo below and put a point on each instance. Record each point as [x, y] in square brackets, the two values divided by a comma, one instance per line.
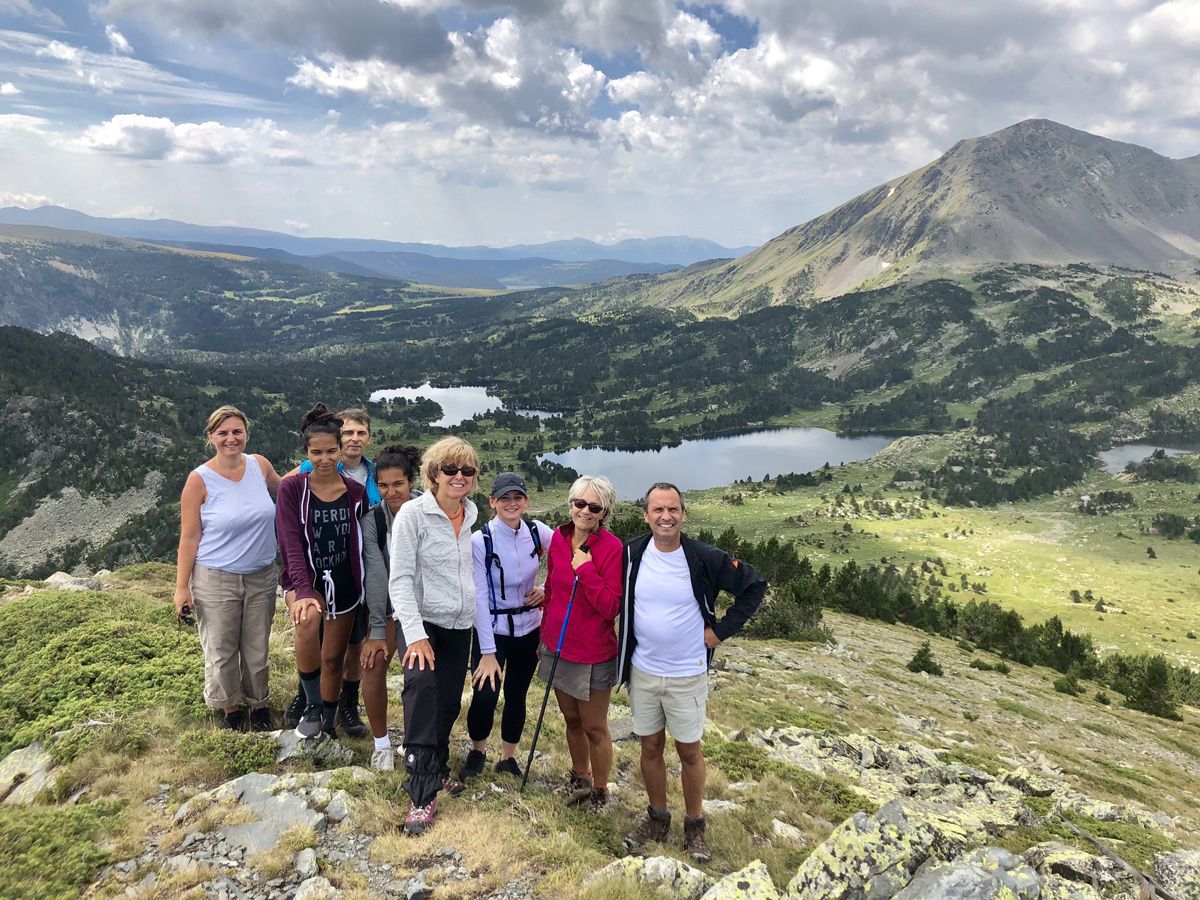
[226, 569]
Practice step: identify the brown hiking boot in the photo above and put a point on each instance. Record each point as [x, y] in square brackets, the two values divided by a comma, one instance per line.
[693, 839]
[579, 790]
[652, 830]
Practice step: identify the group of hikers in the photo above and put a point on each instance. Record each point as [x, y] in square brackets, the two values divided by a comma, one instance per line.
[371, 566]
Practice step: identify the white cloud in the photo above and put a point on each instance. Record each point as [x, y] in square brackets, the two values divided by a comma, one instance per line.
[24, 201]
[18, 122]
[23, 9]
[117, 41]
[158, 138]
[8, 89]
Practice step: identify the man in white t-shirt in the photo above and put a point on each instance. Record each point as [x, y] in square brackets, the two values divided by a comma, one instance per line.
[666, 648]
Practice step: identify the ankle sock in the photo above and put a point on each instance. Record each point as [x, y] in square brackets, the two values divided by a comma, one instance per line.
[350, 692]
[328, 714]
[383, 743]
[310, 684]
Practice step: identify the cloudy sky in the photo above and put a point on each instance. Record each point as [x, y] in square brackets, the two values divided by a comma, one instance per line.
[499, 122]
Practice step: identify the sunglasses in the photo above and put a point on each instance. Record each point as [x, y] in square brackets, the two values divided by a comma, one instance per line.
[451, 471]
[594, 508]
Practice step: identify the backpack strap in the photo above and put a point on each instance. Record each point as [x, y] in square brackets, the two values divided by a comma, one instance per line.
[381, 534]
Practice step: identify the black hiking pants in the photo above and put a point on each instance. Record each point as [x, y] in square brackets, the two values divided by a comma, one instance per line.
[432, 700]
[517, 658]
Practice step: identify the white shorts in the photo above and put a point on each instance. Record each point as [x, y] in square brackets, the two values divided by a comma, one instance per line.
[676, 704]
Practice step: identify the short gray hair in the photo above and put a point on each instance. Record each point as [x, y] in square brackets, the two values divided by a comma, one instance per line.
[662, 486]
[601, 487]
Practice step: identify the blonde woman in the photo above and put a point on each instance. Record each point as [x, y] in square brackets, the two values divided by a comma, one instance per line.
[584, 559]
[432, 587]
[225, 568]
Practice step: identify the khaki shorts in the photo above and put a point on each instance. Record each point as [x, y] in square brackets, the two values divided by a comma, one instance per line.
[577, 679]
[676, 704]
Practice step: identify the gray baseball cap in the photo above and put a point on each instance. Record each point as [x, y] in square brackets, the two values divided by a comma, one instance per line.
[508, 481]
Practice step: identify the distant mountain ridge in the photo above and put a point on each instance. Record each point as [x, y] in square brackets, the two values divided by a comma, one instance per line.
[676, 250]
[1035, 192]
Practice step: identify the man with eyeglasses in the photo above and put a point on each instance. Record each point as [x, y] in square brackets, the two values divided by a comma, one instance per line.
[666, 649]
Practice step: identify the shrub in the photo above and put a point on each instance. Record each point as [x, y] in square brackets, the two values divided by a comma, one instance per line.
[52, 851]
[1103, 699]
[923, 661]
[1067, 684]
[793, 613]
[89, 655]
[235, 752]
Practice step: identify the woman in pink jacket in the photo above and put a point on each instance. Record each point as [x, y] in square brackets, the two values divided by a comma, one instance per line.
[586, 558]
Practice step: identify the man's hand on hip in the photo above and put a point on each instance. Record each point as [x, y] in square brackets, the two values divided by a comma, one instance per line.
[710, 638]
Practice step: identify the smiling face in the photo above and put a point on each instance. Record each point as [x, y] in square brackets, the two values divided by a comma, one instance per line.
[510, 507]
[456, 486]
[324, 453]
[394, 487]
[587, 520]
[229, 437]
[356, 436]
[665, 516]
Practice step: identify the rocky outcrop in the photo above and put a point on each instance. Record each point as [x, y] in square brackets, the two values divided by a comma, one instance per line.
[24, 774]
[980, 875]
[680, 879]
[751, 883]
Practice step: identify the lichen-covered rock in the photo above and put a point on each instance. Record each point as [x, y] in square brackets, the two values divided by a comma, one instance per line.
[1179, 872]
[1055, 887]
[788, 834]
[679, 878]
[268, 811]
[305, 863]
[1073, 864]
[25, 773]
[989, 873]
[1029, 783]
[877, 855]
[751, 883]
[322, 750]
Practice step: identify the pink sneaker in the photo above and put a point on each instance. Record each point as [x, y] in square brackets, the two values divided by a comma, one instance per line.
[420, 818]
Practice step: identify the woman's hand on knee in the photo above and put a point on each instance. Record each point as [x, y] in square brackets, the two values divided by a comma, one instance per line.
[419, 655]
[306, 610]
[488, 670]
[374, 650]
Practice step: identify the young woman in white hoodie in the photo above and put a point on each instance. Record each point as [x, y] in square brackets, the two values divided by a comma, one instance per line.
[432, 587]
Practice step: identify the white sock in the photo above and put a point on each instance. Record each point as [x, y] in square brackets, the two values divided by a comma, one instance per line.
[383, 743]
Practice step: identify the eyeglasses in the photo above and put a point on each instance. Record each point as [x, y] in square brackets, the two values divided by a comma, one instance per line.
[594, 508]
[451, 471]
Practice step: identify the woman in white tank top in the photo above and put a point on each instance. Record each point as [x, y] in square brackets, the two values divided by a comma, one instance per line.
[226, 569]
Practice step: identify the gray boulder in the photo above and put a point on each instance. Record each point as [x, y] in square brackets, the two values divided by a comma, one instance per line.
[679, 878]
[1179, 872]
[25, 773]
[989, 873]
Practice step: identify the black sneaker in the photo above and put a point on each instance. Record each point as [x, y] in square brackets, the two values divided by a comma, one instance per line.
[472, 766]
[309, 725]
[260, 719]
[350, 720]
[295, 710]
[234, 721]
[509, 767]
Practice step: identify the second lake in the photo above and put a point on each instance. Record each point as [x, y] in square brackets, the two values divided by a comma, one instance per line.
[713, 462]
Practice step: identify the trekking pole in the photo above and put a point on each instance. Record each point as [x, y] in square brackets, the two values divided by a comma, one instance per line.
[550, 681]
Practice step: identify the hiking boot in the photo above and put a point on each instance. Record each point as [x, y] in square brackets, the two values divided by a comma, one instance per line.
[472, 766]
[309, 725]
[509, 767]
[597, 800]
[383, 760]
[420, 818]
[574, 782]
[694, 844]
[234, 721]
[652, 830]
[295, 710]
[580, 790]
[349, 719]
[451, 787]
[260, 719]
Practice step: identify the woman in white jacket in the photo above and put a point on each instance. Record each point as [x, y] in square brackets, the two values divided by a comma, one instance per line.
[432, 588]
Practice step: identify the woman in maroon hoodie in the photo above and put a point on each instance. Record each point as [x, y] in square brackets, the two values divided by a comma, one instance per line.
[585, 557]
[316, 522]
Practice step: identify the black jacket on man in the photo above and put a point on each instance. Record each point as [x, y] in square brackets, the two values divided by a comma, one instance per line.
[713, 570]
